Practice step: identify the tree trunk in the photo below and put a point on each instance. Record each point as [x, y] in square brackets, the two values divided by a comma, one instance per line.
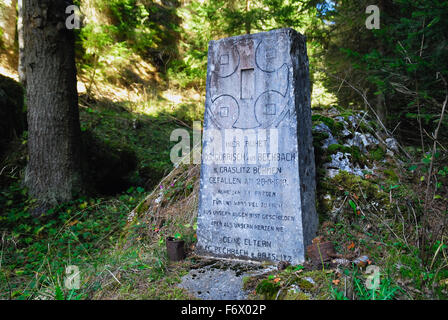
[53, 171]
[247, 23]
[20, 40]
[381, 109]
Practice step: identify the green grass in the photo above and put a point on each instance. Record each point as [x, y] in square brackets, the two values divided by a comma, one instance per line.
[148, 137]
[35, 252]
[91, 232]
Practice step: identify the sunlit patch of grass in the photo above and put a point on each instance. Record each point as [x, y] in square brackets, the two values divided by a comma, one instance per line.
[320, 96]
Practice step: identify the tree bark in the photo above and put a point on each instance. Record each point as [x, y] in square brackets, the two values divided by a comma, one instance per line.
[53, 171]
[381, 108]
[247, 23]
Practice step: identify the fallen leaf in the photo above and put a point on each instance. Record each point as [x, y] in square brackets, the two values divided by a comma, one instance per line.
[73, 223]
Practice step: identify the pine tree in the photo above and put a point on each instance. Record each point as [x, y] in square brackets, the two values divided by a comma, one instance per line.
[53, 171]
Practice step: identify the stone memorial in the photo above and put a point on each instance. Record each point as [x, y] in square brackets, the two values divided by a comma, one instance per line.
[257, 188]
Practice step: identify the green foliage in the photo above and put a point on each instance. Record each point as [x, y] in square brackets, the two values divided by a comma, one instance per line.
[386, 289]
[37, 251]
[126, 30]
[329, 122]
[268, 289]
[413, 60]
[239, 17]
[146, 25]
[398, 67]
[134, 147]
[337, 294]
[377, 154]
[2, 6]
[352, 205]
[2, 45]
[213, 19]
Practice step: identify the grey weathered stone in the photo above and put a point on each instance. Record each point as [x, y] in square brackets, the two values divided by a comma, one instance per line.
[322, 127]
[392, 146]
[363, 141]
[342, 162]
[257, 198]
[221, 281]
[214, 284]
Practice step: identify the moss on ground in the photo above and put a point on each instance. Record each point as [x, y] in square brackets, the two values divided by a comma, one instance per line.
[377, 154]
[335, 126]
[357, 156]
[290, 284]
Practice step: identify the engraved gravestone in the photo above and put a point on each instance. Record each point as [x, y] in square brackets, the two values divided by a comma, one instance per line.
[258, 174]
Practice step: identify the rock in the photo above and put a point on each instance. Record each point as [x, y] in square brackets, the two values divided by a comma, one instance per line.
[350, 147]
[282, 265]
[257, 95]
[341, 120]
[333, 111]
[353, 121]
[392, 146]
[294, 289]
[340, 261]
[310, 280]
[346, 133]
[341, 162]
[363, 141]
[213, 284]
[320, 252]
[221, 280]
[361, 261]
[322, 127]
